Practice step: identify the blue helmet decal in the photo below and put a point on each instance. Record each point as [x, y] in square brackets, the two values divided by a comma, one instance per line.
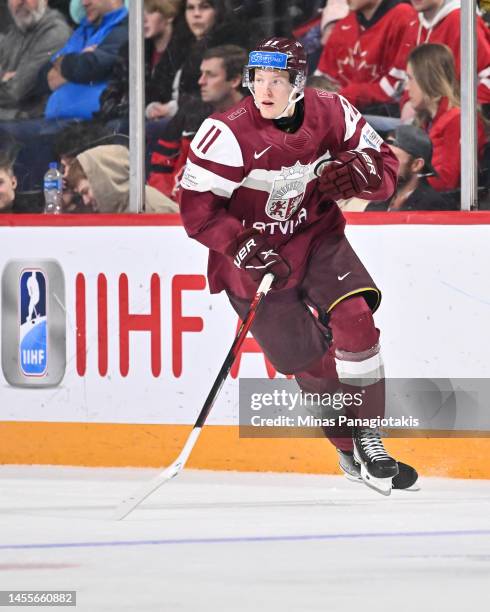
[268, 59]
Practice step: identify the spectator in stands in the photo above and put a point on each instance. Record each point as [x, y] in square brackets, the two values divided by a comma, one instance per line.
[211, 24]
[70, 142]
[359, 52]
[433, 91]
[78, 73]
[413, 148]
[35, 34]
[159, 16]
[439, 21]
[8, 183]
[221, 88]
[101, 177]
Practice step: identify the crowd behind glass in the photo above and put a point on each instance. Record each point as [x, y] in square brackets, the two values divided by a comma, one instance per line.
[64, 91]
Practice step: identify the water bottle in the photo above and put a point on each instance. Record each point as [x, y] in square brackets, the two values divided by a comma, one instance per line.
[53, 190]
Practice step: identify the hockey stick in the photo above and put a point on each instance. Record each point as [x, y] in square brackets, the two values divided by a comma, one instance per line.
[130, 503]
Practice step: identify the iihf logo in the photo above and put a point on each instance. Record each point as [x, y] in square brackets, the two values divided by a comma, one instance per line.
[33, 330]
[33, 345]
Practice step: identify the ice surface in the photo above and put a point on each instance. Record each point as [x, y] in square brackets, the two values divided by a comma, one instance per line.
[228, 541]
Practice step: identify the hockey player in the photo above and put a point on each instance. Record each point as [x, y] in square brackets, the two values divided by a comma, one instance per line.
[251, 195]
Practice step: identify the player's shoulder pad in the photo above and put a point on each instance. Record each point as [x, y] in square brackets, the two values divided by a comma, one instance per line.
[216, 142]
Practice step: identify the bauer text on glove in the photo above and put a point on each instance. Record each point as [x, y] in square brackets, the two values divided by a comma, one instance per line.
[251, 252]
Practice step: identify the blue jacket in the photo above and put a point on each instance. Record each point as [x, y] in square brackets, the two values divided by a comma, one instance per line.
[87, 73]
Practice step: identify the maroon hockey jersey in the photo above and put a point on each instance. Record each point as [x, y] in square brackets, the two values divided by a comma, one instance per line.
[243, 172]
[359, 53]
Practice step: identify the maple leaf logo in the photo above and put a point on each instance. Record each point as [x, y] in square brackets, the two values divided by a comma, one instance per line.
[354, 63]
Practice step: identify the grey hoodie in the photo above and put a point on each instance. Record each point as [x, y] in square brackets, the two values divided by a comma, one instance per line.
[107, 170]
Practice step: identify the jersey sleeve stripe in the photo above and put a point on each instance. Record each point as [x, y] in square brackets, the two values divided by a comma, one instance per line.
[231, 173]
[208, 133]
[212, 139]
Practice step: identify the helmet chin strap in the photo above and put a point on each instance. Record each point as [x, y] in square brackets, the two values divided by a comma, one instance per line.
[291, 100]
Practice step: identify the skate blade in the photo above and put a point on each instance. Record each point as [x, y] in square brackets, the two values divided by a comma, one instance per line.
[413, 489]
[358, 480]
[381, 485]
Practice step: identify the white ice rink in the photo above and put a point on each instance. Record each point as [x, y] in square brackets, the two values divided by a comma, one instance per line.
[245, 542]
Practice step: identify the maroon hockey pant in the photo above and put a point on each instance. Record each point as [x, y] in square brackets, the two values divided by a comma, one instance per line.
[346, 359]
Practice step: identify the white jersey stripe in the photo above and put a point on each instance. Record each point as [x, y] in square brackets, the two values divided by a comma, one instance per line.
[262, 180]
[199, 179]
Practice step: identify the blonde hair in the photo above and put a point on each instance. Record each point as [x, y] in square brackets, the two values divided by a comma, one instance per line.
[167, 8]
[433, 69]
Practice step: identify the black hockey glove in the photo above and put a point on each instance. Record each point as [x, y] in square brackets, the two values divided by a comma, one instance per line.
[351, 173]
[251, 252]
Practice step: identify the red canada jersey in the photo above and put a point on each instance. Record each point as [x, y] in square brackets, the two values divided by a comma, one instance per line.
[443, 29]
[244, 172]
[358, 57]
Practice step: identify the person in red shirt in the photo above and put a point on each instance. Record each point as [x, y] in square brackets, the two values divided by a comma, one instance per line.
[260, 190]
[438, 21]
[433, 91]
[360, 50]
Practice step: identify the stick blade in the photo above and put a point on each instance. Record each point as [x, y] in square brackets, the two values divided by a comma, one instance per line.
[132, 502]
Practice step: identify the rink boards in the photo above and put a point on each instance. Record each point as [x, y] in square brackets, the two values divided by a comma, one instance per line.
[124, 340]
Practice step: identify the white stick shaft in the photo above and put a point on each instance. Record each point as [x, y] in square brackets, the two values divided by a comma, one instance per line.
[130, 503]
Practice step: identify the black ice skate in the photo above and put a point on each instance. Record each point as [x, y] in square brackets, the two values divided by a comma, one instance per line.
[405, 479]
[377, 467]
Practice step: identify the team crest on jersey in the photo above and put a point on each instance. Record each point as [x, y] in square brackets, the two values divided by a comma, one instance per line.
[287, 192]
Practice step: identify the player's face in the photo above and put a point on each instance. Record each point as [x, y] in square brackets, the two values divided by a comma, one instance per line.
[8, 183]
[200, 16]
[154, 24]
[416, 95]
[213, 83]
[426, 5]
[272, 90]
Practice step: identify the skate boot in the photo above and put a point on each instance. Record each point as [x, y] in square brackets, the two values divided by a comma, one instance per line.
[405, 479]
[377, 467]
